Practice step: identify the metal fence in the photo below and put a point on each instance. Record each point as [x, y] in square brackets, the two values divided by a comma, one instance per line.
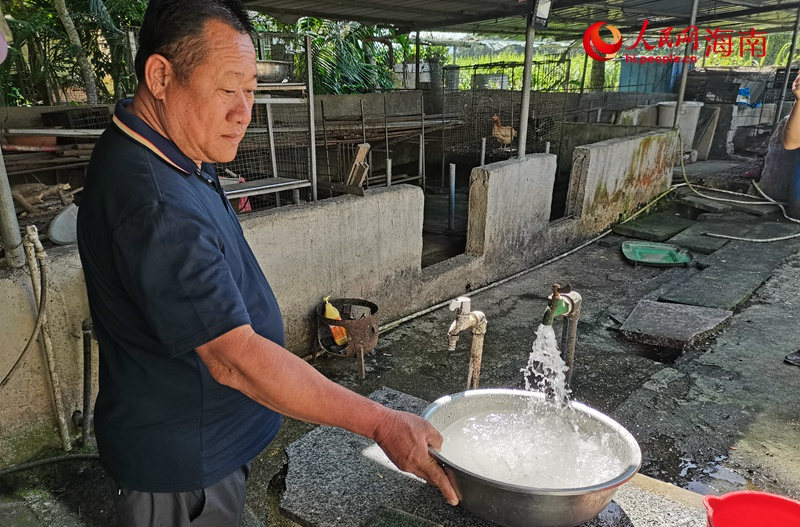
[483, 103]
[276, 145]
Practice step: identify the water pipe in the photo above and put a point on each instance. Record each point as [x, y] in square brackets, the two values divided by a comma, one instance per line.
[466, 319]
[9, 227]
[38, 258]
[565, 303]
[86, 412]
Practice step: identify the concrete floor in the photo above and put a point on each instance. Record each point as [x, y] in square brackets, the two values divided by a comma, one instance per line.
[721, 417]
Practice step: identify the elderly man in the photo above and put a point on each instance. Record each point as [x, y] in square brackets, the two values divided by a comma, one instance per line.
[193, 373]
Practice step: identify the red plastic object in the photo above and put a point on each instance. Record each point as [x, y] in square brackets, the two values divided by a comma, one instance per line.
[752, 509]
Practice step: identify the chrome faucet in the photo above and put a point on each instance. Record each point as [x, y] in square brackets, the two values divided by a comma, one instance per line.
[466, 319]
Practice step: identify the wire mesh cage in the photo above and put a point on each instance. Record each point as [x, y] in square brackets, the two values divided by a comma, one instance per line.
[484, 102]
[276, 145]
[393, 131]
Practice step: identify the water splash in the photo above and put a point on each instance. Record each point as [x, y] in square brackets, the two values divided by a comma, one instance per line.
[546, 371]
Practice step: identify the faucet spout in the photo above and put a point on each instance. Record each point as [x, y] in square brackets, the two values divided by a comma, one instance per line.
[466, 319]
[558, 304]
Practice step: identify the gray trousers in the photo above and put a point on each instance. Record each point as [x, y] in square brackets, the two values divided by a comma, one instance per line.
[220, 505]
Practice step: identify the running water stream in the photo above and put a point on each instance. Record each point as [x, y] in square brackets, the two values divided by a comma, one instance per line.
[546, 369]
[548, 444]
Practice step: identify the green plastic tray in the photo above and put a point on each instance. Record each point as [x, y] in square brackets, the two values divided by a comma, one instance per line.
[658, 254]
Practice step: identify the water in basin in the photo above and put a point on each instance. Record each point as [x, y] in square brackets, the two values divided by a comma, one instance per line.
[547, 445]
[553, 449]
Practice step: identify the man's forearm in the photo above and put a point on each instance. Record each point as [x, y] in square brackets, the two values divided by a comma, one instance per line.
[791, 134]
[282, 381]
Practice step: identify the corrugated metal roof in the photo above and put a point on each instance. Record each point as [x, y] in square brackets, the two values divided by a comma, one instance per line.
[568, 18]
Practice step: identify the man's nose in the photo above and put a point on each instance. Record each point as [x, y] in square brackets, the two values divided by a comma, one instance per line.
[242, 108]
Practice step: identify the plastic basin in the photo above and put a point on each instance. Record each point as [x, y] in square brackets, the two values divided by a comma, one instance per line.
[751, 509]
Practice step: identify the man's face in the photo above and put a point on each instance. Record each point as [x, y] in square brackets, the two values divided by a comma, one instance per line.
[207, 114]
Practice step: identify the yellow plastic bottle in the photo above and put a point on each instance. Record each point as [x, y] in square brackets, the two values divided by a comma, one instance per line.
[339, 333]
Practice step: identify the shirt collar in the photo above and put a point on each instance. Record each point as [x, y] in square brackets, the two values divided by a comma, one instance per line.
[139, 131]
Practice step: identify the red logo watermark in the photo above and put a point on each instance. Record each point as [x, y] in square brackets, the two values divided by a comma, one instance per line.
[596, 47]
[721, 42]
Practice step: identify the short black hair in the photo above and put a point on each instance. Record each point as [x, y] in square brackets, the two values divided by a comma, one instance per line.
[174, 29]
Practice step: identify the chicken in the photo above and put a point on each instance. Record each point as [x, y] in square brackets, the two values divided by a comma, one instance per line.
[503, 134]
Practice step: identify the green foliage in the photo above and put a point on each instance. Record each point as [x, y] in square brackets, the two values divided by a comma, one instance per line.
[42, 66]
[439, 54]
[346, 59]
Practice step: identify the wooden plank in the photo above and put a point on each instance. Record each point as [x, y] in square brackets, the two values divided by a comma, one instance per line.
[359, 167]
[268, 185]
[281, 100]
[42, 169]
[56, 132]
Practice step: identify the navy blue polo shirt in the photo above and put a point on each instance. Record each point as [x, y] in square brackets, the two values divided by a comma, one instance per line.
[167, 269]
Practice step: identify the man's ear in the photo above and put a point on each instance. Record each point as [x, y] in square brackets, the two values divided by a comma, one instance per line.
[158, 73]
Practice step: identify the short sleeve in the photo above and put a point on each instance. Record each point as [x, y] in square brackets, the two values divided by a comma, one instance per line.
[172, 264]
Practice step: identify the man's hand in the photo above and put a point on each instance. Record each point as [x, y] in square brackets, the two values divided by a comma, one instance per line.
[405, 439]
[791, 132]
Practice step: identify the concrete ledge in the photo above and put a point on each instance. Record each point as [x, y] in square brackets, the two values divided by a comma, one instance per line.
[616, 176]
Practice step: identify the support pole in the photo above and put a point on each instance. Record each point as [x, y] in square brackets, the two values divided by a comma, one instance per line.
[422, 139]
[312, 130]
[9, 226]
[451, 221]
[583, 75]
[483, 151]
[779, 109]
[530, 33]
[389, 172]
[271, 134]
[684, 71]
[416, 62]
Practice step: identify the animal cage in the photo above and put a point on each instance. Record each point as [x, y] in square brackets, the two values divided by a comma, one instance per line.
[473, 95]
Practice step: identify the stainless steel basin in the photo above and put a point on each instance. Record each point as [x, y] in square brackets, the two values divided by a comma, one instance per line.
[272, 70]
[514, 505]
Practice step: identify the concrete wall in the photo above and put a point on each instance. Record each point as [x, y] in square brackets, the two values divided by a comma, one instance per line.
[367, 247]
[406, 101]
[26, 413]
[614, 177]
[345, 247]
[732, 123]
[576, 134]
[639, 116]
[509, 202]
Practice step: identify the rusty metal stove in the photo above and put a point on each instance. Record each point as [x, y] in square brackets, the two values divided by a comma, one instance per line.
[360, 321]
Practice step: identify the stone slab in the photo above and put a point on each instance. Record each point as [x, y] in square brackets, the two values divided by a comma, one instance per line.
[657, 227]
[704, 204]
[721, 287]
[748, 255]
[15, 513]
[338, 479]
[755, 210]
[695, 240]
[672, 325]
[395, 518]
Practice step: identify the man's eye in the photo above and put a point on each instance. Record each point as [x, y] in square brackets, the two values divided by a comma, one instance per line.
[228, 92]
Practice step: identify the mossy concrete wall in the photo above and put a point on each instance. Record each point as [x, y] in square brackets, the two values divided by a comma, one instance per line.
[576, 134]
[614, 177]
